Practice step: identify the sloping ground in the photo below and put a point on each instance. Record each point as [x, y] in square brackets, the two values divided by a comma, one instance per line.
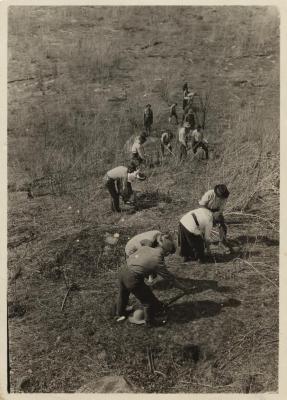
[224, 336]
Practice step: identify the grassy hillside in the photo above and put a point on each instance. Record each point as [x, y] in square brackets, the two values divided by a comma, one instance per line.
[79, 78]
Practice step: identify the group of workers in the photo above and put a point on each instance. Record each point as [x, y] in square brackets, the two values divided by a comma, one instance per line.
[145, 253]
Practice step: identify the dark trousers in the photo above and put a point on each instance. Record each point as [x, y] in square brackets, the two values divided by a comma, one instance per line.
[147, 127]
[202, 145]
[115, 203]
[182, 151]
[190, 245]
[175, 116]
[131, 283]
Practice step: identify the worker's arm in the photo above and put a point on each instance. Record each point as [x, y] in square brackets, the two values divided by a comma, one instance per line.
[164, 273]
[141, 152]
[204, 200]
[207, 235]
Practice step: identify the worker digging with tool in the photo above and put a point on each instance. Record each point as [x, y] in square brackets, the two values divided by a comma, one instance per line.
[215, 200]
[194, 234]
[138, 153]
[150, 238]
[118, 182]
[165, 142]
[139, 265]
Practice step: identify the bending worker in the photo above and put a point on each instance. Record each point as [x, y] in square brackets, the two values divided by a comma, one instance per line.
[214, 200]
[194, 234]
[140, 265]
[197, 141]
[165, 142]
[118, 182]
[138, 153]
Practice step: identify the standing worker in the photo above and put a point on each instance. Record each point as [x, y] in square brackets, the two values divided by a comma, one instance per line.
[165, 141]
[194, 234]
[214, 200]
[173, 113]
[138, 153]
[185, 97]
[140, 265]
[148, 118]
[118, 182]
[182, 137]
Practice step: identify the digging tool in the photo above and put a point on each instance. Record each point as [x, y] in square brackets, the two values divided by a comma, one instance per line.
[177, 297]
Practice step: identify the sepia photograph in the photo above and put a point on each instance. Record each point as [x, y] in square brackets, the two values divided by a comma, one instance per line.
[143, 164]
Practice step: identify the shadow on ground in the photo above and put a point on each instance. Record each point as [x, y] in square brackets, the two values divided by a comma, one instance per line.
[193, 285]
[151, 199]
[186, 312]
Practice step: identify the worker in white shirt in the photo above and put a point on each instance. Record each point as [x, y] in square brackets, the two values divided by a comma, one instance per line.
[118, 182]
[197, 141]
[138, 153]
[182, 137]
[215, 200]
[195, 234]
[165, 141]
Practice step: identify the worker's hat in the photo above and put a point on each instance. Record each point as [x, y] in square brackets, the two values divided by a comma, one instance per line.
[221, 191]
[137, 317]
[141, 176]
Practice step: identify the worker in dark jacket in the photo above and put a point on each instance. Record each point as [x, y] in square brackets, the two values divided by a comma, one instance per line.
[148, 118]
[144, 262]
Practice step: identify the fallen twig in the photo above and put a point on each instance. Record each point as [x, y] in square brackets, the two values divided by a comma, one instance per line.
[260, 273]
[65, 298]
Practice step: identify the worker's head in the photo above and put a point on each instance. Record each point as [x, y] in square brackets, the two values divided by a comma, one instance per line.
[141, 176]
[199, 127]
[184, 86]
[167, 244]
[217, 218]
[186, 125]
[148, 106]
[142, 138]
[221, 191]
[132, 166]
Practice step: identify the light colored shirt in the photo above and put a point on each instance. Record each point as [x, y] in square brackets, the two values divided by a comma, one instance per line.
[120, 172]
[205, 221]
[132, 176]
[212, 202]
[120, 175]
[137, 148]
[147, 261]
[165, 138]
[145, 238]
[182, 136]
[173, 109]
[197, 136]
